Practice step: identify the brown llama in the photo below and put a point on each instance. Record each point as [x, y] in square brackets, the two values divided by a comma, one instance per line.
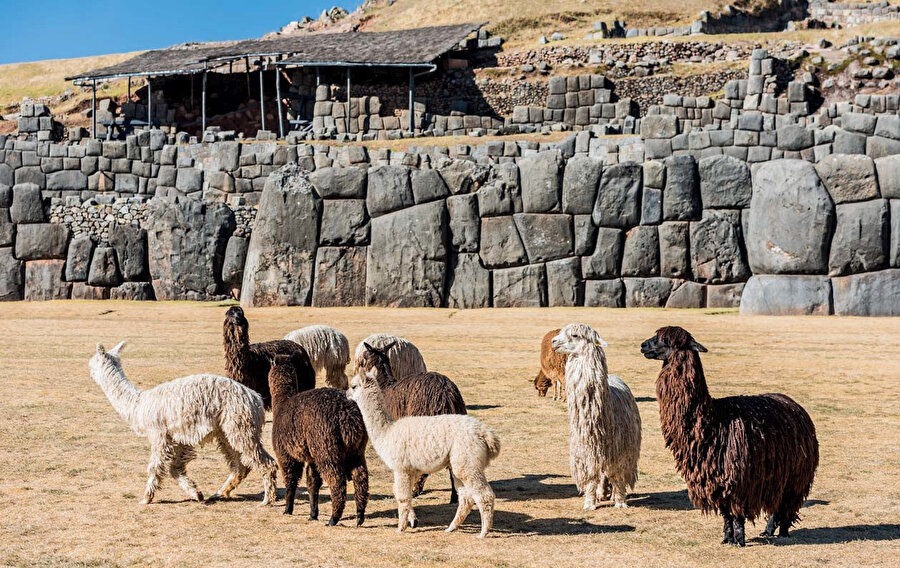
[248, 363]
[553, 369]
[740, 455]
[323, 431]
[421, 394]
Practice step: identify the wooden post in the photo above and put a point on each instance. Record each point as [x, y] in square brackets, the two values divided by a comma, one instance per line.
[247, 64]
[318, 76]
[278, 100]
[412, 114]
[129, 89]
[149, 105]
[262, 97]
[203, 105]
[94, 108]
[347, 117]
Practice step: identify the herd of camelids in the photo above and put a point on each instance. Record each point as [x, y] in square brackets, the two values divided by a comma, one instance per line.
[740, 456]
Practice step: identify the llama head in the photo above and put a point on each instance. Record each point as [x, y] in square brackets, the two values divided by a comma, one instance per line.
[283, 373]
[235, 315]
[542, 384]
[669, 340]
[578, 338]
[372, 358]
[102, 356]
[236, 328]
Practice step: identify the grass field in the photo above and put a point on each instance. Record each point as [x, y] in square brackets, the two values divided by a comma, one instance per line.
[72, 473]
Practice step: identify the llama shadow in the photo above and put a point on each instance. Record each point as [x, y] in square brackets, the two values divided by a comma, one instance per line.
[814, 502]
[663, 500]
[530, 486]
[841, 535]
[645, 399]
[483, 406]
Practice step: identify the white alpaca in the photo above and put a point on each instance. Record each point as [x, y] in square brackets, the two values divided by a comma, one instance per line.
[182, 414]
[328, 349]
[604, 423]
[417, 445]
[406, 359]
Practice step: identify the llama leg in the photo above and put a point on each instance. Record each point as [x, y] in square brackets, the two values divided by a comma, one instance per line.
[484, 498]
[590, 494]
[238, 470]
[181, 456]
[360, 475]
[466, 502]
[252, 455]
[420, 485]
[403, 493]
[728, 529]
[787, 513]
[337, 484]
[313, 485]
[604, 490]
[621, 493]
[453, 496]
[156, 468]
[291, 470]
[739, 531]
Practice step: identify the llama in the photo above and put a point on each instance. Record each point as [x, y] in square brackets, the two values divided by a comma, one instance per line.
[182, 414]
[248, 363]
[405, 357]
[320, 429]
[740, 455]
[604, 422]
[416, 445]
[553, 369]
[420, 394]
[328, 350]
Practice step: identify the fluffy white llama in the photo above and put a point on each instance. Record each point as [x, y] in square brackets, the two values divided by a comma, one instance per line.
[417, 445]
[406, 359]
[328, 350]
[604, 423]
[182, 414]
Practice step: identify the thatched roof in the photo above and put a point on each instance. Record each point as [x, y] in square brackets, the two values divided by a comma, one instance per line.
[403, 47]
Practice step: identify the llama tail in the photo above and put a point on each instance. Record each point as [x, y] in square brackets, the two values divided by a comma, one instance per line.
[492, 440]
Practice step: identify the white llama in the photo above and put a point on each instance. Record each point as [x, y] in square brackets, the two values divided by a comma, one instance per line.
[417, 445]
[604, 423]
[182, 414]
[328, 350]
[405, 357]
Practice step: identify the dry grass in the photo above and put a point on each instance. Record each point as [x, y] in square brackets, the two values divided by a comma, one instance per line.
[71, 473]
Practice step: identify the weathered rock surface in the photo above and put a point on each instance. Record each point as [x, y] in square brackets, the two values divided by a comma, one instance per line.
[888, 170]
[340, 278]
[388, 189]
[104, 269]
[860, 236]
[724, 295]
[407, 258]
[344, 222]
[12, 276]
[130, 243]
[7, 228]
[564, 284]
[647, 292]
[641, 252]
[134, 291]
[619, 196]
[604, 293]
[339, 183]
[470, 283]
[686, 294]
[428, 185]
[465, 225]
[716, 248]
[681, 198]
[520, 287]
[78, 261]
[540, 182]
[768, 294]
[869, 294]
[501, 245]
[233, 263]
[41, 241]
[44, 281]
[791, 215]
[848, 177]
[83, 291]
[545, 236]
[674, 248]
[26, 206]
[724, 182]
[607, 256]
[579, 190]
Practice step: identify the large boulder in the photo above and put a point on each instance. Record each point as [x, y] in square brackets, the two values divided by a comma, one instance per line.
[130, 243]
[585, 235]
[67, 180]
[791, 215]
[78, 260]
[579, 190]
[659, 126]
[848, 177]
[7, 228]
[640, 255]
[869, 294]
[606, 260]
[499, 197]
[619, 196]
[388, 189]
[133, 291]
[564, 284]
[501, 245]
[344, 222]
[860, 235]
[647, 292]
[45, 280]
[888, 169]
[716, 249]
[26, 206]
[282, 252]
[520, 287]
[339, 183]
[681, 198]
[41, 241]
[457, 175]
[686, 294]
[104, 268]
[724, 295]
[427, 185]
[407, 257]
[470, 283]
[894, 247]
[465, 225]
[604, 293]
[782, 295]
[674, 247]
[340, 277]
[540, 182]
[724, 182]
[12, 276]
[233, 263]
[545, 236]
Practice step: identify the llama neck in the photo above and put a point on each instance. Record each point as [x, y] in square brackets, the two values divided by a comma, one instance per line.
[374, 412]
[237, 350]
[119, 390]
[683, 397]
[588, 370]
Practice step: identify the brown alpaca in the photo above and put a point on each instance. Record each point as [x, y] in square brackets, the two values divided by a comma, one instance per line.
[321, 429]
[422, 394]
[740, 455]
[553, 369]
[248, 363]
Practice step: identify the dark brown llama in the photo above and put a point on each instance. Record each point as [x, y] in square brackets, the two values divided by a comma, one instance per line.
[553, 369]
[421, 394]
[740, 455]
[323, 430]
[248, 363]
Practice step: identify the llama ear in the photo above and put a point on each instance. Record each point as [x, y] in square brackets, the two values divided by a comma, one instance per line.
[600, 342]
[697, 347]
[368, 347]
[389, 346]
[117, 349]
[100, 349]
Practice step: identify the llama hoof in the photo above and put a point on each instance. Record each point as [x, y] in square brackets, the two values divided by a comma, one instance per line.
[332, 522]
[413, 523]
[360, 519]
[449, 529]
[199, 498]
[287, 512]
[728, 540]
[454, 499]
[145, 501]
[621, 505]
[590, 507]
[314, 517]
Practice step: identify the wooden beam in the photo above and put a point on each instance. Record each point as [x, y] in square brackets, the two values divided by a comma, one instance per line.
[262, 97]
[203, 106]
[278, 100]
[94, 107]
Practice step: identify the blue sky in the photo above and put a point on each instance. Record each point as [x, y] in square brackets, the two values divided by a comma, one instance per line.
[58, 29]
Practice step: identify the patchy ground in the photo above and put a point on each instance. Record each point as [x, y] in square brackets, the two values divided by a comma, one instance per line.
[71, 472]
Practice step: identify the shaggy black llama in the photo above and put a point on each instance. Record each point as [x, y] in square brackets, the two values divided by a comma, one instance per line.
[248, 363]
[740, 455]
[421, 394]
[321, 429]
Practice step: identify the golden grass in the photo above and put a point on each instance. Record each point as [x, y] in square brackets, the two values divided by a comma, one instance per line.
[72, 473]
